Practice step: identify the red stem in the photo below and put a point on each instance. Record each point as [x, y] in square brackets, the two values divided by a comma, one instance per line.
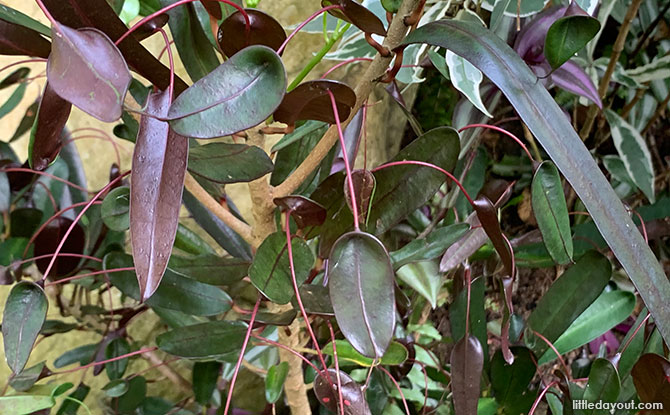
[630, 339]
[149, 349]
[467, 305]
[177, 4]
[502, 131]
[170, 60]
[231, 387]
[22, 62]
[550, 344]
[42, 173]
[341, 64]
[81, 137]
[80, 276]
[337, 367]
[303, 24]
[345, 157]
[432, 166]
[540, 396]
[47, 13]
[69, 230]
[402, 395]
[644, 227]
[62, 254]
[288, 349]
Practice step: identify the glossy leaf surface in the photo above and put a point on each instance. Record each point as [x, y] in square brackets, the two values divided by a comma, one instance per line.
[567, 36]
[356, 14]
[310, 101]
[650, 376]
[48, 240]
[364, 190]
[229, 163]
[424, 277]
[360, 280]
[209, 269]
[395, 355]
[115, 209]
[240, 93]
[45, 137]
[16, 17]
[86, 69]
[115, 348]
[205, 376]
[20, 40]
[467, 362]
[351, 392]
[316, 300]
[156, 185]
[203, 340]
[488, 217]
[24, 313]
[274, 382]
[264, 30]
[432, 246]
[511, 383]
[604, 384]
[305, 212]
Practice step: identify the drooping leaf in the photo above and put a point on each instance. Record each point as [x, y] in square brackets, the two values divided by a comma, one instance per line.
[305, 212]
[551, 212]
[175, 293]
[150, 27]
[116, 348]
[14, 100]
[274, 382]
[48, 240]
[568, 35]
[610, 309]
[352, 136]
[229, 163]
[15, 77]
[210, 269]
[24, 313]
[45, 136]
[395, 355]
[357, 15]
[16, 39]
[511, 383]
[434, 245]
[82, 355]
[568, 297]
[203, 340]
[51, 327]
[488, 217]
[205, 377]
[159, 166]
[395, 93]
[424, 277]
[351, 393]
[115, 209]
[311, 101]
[233, 35]
[240, 93]
[26, 122]
[552, 129]
[360, 280]
[86, 69]
[634, 153]
[466, 78]
[270, 272]
[650, 376]
[604, 384]
[467, 362]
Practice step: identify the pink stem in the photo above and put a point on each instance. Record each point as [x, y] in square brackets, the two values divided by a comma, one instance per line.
[644, 227]
[345, 157]
[50, 195]
[288, 349]
[90, 274]
[540, 396]
[69, 230]
[62, 254]
[402, 395]
[165, 48]
[177, 4]
[432, 166]
[81, 137]
[503, 131]
[550, 344]
[630, 339]
[341, 64]
[149, 349]
[22, 62]
[47, 13]
[170, 60]
[303, 24]
[231, 387]
[337, 367]
[42, 173]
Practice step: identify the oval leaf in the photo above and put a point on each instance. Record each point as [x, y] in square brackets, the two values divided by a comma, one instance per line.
[310, 101]
[115, 348]
[229, 163]
[567, 36]
[467, 362]
[551, 212]
[115, 209]
[360, 280]
[45, 136]
[25, 312]
[274, 382]
[209, 339]
[159, 166]
[233, 35]
[205, 377]
[48, 240]
[239, 94]
[395, 355]
[364, 190]
[356, 14]
[604, 384]
[325, 388]
[25, 404]
[305, 212]
[86, 69]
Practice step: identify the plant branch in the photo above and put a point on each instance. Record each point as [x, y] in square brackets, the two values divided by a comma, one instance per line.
[376, 69]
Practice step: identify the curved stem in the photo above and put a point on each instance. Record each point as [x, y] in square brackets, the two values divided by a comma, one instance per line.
[102, 362]
[397, 386]
[343, 63]
[552, 347]
[503, 131]
[337, 367]
[540, 396]
[22, 62]
[45, 174]
[62, 254]
[288, 349]
[303, 24]
[90, 274]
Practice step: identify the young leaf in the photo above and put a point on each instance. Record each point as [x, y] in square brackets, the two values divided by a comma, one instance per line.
[86, 69]
[204, 340]
[330, 397]
[634, 153]
[551, 212]
[568, 297]
[14, 100]
[311, 101]
[604, 384]
[650, 376]
[488, 217]
[45, 136]
[270, 271]
[305, 212]
[357, 15]
[424, 277]
[20, 40]
[229, 163]
[233, 35]
[364, 190]
[115, 209]
[159, 166]
[467, 362]
[553, 130]
[360, 280]
[240, 93]
[567, 36]
[274, 382]
[72, 403]
[24, 313]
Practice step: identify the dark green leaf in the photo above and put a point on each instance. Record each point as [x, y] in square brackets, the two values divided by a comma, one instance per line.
[272, 319]
[511, 383]
[240, 93]
[315, 299]
[391, 6]
[395, 355]
[270, 271]
[430, 247]
[567, 298]
[26, 122]
[467, 362]
[567, 36]
[15, 16]
[70, 406]
[229, 163]
[23, 222]
[16, 39]
[137, 393]
[210, 269]
[115, 207]
[604, 384]
[190, 242]
[175, 293]
[14, 100]
[86, 69]
[458, 309]
[552, 128]
[45, 136]
[56, 327]
[551, 212]
[82, 355]
[205, 377]
[650, 375]
[24, 313]
[159, 166]
[360, 280]
[274, 382]
[17, 76]
[115, 348]
[116, 388]
[203, 340]
[25, 380]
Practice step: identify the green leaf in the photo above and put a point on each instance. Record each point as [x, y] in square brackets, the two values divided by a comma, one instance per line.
[511, 383]
[360, 280]
[424, 277]
[270, 271]
[190, 242]
[634, 153]
[205, 377]
[71, 404]
[604, 384]
[458, 309]
[25, 404]
[14, 99]
[430, 247]
[610, 309]
[567, 298]
[25, 380]
[204, 340]
[82, 354]
[136, 394]
[551, 212]
[553, 130]
[567, 36]
[175, 292]
[23, 316]
[658, 69]
[210, 269]
[116, 388]
[395, 355]
[274, 382]
[239, 94]
[499, 6]
[115, 207]
[229, 163]
[115, 348]
[16, 17]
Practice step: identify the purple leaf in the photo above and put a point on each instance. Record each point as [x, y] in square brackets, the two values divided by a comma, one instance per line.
[159, 166]
[467, 362]
[45, 137]
[352, 140]
[573, 78]
[20, 40]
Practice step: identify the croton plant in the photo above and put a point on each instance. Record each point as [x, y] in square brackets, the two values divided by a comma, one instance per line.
[335, 296]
